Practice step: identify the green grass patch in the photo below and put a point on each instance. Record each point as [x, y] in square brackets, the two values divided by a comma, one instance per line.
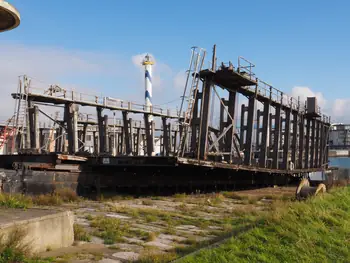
[81, 234]
[111, 230]
[59, 197]
[317, 230]
[14, 250]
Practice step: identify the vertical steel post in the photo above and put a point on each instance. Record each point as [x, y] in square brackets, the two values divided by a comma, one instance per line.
[250, 126]
[204, 120]
[286, 144]
[265, 135]
[275, 157]
[307, 143]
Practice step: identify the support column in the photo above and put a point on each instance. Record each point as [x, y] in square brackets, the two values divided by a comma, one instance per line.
[57, 140]
[312, 149]
[307, 143]
[286, 144]
[205, 110]
[231, 110]
[75, 113]
[138, 141]
[165, 138]
[149, 136]
[276, 138]
[243, 127]
[294, 138]
[36, 128]
[265, 135]
[195, 124]
[70, 129]
[131, 135]
[96, 141]
[249, 137]
[128, 149]
[84, 133]
[105, 134]
[100, 130]
[301, 141]
[317, 145]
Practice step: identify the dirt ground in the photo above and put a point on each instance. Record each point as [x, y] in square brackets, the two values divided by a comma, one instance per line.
[147, 229]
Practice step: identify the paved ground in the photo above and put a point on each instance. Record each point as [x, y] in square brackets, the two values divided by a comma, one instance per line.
[126, 229]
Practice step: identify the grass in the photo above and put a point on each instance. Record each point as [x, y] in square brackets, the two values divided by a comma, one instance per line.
[81, 234]
[111, 230]
[317, 230]
[59, 197]
[14, 250]
[154, 256]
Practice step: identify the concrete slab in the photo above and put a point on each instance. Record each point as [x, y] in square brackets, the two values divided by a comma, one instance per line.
[130, 256]
[114, 215]
[158, 244]
[108, 260]
[43, 228]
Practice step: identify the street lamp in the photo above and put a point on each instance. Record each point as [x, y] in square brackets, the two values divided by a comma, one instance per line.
[9, 16]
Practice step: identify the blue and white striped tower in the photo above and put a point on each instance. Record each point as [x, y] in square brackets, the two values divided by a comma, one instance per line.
[148, 63]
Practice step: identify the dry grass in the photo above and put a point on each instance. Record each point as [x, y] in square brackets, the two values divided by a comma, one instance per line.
[81, 234]
[59, 197]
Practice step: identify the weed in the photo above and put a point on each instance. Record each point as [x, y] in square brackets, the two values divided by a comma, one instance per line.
[89, 217]
[15, 201]
[110, 230]
[47, 200]
[233, 195]
[151, 218]
[67, 195]
[180, 196]
[147, 202]
[154, 256]
[81, 234]
[151, 236]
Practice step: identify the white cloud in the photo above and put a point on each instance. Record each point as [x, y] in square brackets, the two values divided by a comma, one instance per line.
[180, 80]
[304, 92]
[340, 108]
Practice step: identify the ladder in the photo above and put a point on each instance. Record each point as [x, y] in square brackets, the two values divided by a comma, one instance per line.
[21, 112]
[189, 95]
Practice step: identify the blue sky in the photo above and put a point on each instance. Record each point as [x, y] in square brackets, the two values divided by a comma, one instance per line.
[301, 44]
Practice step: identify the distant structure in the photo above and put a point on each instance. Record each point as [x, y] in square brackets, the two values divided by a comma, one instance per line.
[339, 136]
[148, 63]
[9, 16]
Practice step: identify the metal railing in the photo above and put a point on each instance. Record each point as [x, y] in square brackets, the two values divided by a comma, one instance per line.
[55, 91]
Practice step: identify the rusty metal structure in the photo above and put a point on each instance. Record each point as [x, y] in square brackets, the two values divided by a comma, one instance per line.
[276, 137]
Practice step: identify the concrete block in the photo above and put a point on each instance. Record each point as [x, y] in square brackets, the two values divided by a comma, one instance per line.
[43, 228]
